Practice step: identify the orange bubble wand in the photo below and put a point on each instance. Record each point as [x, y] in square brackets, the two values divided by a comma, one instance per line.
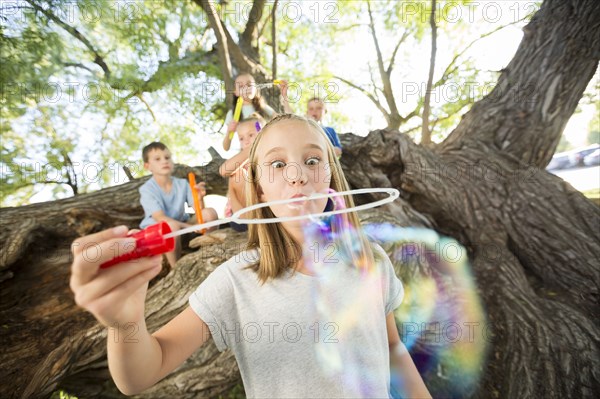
[197, 206]
[237, 113]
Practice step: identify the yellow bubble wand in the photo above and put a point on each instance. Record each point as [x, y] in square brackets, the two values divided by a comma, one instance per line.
[237, 113]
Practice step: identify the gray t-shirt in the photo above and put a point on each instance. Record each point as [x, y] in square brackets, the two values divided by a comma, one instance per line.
[154, 199]
[301, 336]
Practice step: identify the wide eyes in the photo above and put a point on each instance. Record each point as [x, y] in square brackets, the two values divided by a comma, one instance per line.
[312, 161]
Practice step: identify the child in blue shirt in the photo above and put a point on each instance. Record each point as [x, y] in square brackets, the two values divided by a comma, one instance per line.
[163, 196]
[316, 109]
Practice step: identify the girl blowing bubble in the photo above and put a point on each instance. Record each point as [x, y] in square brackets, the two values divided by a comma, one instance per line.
[262, 305]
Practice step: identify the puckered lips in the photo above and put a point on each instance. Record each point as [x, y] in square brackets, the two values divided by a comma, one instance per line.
[297, 204]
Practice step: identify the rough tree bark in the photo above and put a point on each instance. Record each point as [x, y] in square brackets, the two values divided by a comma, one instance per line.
[533, 239]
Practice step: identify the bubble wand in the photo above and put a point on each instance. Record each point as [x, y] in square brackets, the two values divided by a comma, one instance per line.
[236, 217]
[158, 238]
[268, 84]
[197, 205]
[236, 113]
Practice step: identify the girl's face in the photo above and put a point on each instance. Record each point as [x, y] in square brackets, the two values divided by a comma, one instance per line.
[292, 162]
[247, 133]
[245, 86]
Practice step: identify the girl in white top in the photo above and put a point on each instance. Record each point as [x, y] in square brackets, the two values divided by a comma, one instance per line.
[245, 86]
[261, 304]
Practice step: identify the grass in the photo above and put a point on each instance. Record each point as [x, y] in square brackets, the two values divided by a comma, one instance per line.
[237, 392]
[61, 395]
[594, 195]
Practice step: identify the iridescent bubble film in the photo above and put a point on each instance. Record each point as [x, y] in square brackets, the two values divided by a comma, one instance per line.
[440, 321]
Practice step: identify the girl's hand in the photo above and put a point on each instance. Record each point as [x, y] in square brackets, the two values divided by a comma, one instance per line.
[232, 127]
[284, 97]
[283, 84]
[201, 188]
[115, 295]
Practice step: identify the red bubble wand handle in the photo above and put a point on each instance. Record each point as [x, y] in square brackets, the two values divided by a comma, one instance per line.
[148, 242]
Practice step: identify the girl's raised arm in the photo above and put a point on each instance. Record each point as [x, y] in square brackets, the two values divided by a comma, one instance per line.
[231, 164]
[116, 297]
[137, 363]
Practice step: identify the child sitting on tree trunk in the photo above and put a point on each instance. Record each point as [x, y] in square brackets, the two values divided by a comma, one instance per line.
[163, 196]
[236, 168]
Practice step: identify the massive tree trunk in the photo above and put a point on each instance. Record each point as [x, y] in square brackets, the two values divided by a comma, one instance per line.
[533, 240]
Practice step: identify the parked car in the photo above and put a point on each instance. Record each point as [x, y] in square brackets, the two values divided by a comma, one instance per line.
[592, 158]
[576, 156]
[559, 161]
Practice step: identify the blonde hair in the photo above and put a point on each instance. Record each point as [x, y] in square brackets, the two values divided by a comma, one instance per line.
[278, 250]
[255, 116]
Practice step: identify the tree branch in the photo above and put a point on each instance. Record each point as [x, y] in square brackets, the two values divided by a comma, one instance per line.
[411, 130]
[235, 56]
[71, 175]
[203, 37]
[274, 38]
[128, 173]
[76, 65]
[98, 60]
[191, 62]
[425, 131]
[222, 40]
[349, 27]
[452, 63]
[251, 26]
[393, 59]
[412, 114]
[368, 94]
[139, 95]
[394, 115]
[375, 87]
[243, 62]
